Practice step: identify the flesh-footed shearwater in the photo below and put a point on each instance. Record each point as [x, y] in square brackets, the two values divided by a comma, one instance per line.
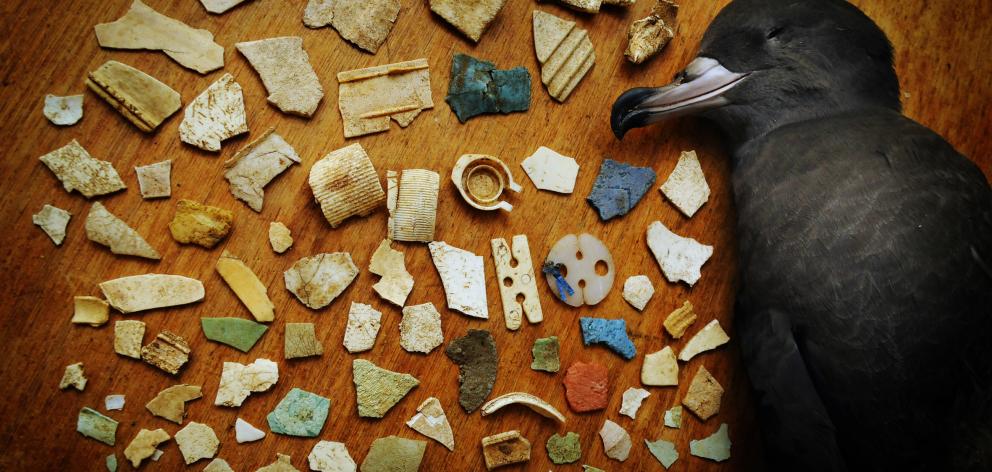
[865, 300]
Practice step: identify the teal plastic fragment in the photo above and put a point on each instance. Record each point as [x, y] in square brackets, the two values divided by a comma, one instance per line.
[238, 333]
[477, 88]
[300, 413]
[112, 463]
[673, 417]
[715, 447]
[94, 425]
[664, 451]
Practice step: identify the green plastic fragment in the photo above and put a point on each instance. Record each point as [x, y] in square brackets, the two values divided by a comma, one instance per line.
[673, 417]
[545, 352]
[477, 87]
[664, 451]
[394, 454]
[94, 425]
[564, 449]
[378, 389]
[238, 333]
[589, 468]
[300, 413]
[112, 463]
[715, 447]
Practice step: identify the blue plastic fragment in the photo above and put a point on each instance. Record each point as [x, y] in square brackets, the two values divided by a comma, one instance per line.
[477, 87]
[564, 289]
[612, 333]
[619, 187]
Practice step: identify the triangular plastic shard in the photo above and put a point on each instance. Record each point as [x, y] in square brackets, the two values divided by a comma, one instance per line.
[155, 180]
[471, 18]
[522, 281]
[286, 72]
[53, 221]
[686, 187]
[77, 170]
[215, 115]
[551, 171]
[256, 164]
[680, 258]
[170, 403]
[369, 98]
[567, 53]
[144, 28]
[246, 432]
[220, 6]
[412, 203]
[317, 281]
[396, 283]
[431, 421]
[710, 337]
[63, 111]
[464, 279]
[104, 228]
[345, 184]
[364, 23]
[715, 447]
[377, 390]
[142, 99]
[246, 285]
[149, 291]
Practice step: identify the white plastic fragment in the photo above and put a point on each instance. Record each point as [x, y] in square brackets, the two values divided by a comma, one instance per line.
[638, 290]
[463, 276]
[680, 258]
[220, 6]
[215, 115]
[286, 72]
[515, 271]
[395, 282]
[149, 291]
[79, 171]
[660, 369]
[318, 13]
[104, 228]
[583, 257]
[411, 200]
[363, 327]
[420, 328]
[686, 187]
[155, 180]
[369, 98]
[632, 398]
[710, 337]
[64, 111]
[53, 221]
[551, 171]
[365, 23]
[431, 421]
[317, 281]
[480, 180]
[73, 377]
[113, 402]
[330, 456]
[280, 238]
[237, 381]
[470, 17]
[715, 447]
[256, 164]
[530, 401]
[157, 455]
[616, 441]
[244, 432]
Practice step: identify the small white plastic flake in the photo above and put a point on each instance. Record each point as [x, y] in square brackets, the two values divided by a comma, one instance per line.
[681, 259]
[113, 402]
[363, 327]
[616, 441]
[686, 187]
[53, 221]
[245, 432]
[463, 277]
[632, 399]
[551, 171]
[638, 290]
[710, 337]
[103, 227]
[64, 111]
[155, 180]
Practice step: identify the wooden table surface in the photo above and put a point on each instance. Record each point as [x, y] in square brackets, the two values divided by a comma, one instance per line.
[48, 47]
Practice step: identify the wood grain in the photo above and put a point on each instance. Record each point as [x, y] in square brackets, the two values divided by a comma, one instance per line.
[48, 47]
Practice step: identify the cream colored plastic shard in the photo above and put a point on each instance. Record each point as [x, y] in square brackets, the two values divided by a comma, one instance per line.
[318, 13]
[197, 441]
[686, 187]
[170, 403]
[215, 115]
[519, 398]
[73, 377]
[369, 98]
[168, 351]
[283, 463]
[431, 421]
[145, 28]
[280, 238]
[286, 72]
[141, 98]
[584, 257]
[363, 327]
[149, 291]
[679, 320]
[220, 6]
[681, 259]
[90, 310]
[648, 36]
[420, 328]
[246, 285]
[317, 281]
[218, 465]
[396, 283]
[63, 111]
[480, 179]
[710, 337]
[564, 51]
[365, 23]
[638, 290]
[53, 221]
[632, 399]
[128, 336]
[143, 445]
[616, 441]
[345, 184]
[104, 228]
[516, 282]
[464, 278]
[660, 369]
[329, 456]
[471, 18]
[77, 170]
[551, 171]
[412, 204]
[256, 164]
[155, 180]
[237, 381]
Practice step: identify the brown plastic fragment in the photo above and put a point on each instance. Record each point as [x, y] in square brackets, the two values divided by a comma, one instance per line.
[168, 351]
[680, 320]
[704, 395]
[141, 98]
[648, 36]
[505, 449]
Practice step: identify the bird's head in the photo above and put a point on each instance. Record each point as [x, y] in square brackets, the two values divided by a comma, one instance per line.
[765, 63]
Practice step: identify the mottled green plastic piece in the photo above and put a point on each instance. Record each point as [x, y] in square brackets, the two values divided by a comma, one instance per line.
[378, 389]
[94, 425]
[394, 454]
[238, 333]
[589, 468]
[664, 451]
[300, 413]
[715, 447]
[477, 88]
[545, 352]
[673, 417]
[112, 463]
[564, 449]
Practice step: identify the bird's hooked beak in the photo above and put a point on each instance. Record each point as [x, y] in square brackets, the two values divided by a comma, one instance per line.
[701, 86]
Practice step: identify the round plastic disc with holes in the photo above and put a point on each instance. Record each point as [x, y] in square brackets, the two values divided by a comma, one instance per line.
[588, 269]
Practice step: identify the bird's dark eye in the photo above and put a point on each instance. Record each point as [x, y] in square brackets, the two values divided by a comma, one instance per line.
[772, 33]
